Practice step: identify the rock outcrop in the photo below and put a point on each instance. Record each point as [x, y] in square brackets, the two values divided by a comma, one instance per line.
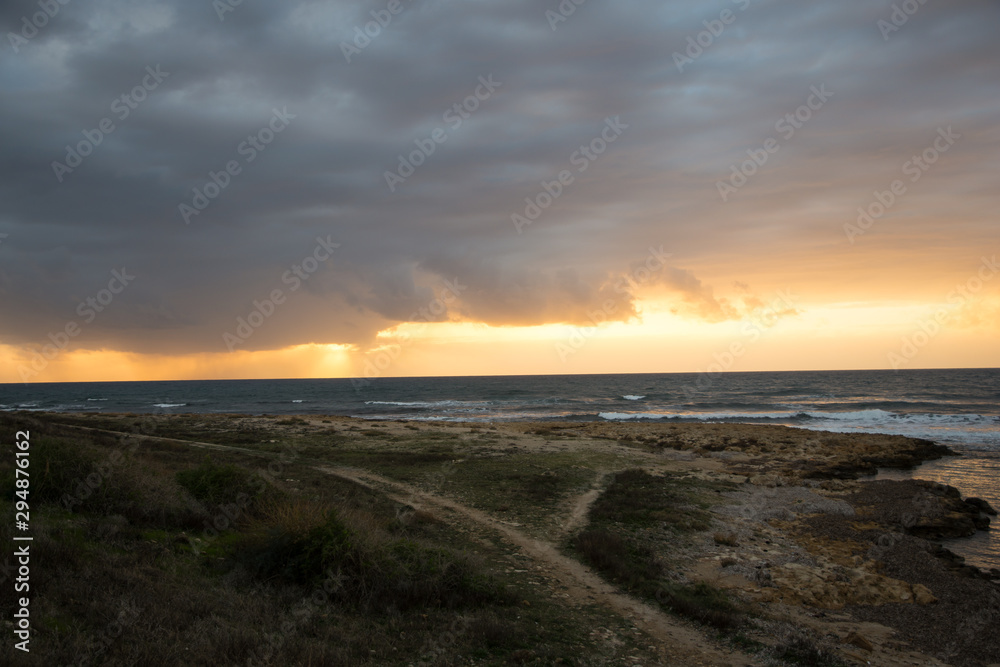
[940, 513]
[831, 586]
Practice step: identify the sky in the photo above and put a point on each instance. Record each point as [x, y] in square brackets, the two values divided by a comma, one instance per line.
[198, 190]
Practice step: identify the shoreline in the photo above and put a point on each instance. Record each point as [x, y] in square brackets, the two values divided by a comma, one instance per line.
[792, 527]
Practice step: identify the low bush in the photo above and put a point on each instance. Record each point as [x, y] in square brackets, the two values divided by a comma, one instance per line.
[305, 543]
[635, 497]
[619, 559]
[102, 483]
[701, 602]
[220, 485]
[58, 466]
[617, 545]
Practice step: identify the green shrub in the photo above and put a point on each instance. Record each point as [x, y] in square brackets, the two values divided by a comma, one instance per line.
[305, 544]
[702, 602]
[638, 570]
[222, 484]
[543, 486]
[619, 559]
[102, 481]
[72, 474]
[295, 555]
[636, 498]
[57, 468]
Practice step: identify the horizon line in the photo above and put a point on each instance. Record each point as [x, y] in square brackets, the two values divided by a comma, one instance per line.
[503, 375]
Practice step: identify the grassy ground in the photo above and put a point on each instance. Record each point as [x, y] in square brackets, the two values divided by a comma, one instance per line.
[149, 550]
[633, 528]
[153, 553]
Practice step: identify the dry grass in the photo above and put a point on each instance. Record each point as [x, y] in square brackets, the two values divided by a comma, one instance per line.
[131, 575]
[115, 579]
[625, 521]
[728, 539]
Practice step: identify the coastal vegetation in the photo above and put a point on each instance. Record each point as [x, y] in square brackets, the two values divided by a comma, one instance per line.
[236, 540]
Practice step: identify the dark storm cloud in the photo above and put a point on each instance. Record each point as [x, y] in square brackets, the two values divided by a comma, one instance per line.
[348, 123]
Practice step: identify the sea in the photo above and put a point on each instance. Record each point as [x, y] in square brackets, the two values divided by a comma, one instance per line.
[959, 408]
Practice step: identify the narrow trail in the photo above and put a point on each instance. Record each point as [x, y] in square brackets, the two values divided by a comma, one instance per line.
[679, 643]
[581, 506]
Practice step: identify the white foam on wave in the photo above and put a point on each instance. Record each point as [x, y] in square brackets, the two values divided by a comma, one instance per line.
[972, 430]
[633, 397]
[169, 405]
[429, 404]
[700, 416]
[296, 400]
[873, 415]
[424, 418]
[26, 407]
[876, 417]
[97, 399]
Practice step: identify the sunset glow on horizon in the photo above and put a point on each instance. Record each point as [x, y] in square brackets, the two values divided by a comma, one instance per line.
[481, 191]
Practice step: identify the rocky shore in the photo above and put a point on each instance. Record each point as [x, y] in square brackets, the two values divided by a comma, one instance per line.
[856, 560]
[825, 564]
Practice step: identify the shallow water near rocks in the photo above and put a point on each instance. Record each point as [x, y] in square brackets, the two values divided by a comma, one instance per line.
[975, 473]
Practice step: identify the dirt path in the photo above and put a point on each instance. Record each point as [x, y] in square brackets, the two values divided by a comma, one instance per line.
[581, 505]
[679, 643]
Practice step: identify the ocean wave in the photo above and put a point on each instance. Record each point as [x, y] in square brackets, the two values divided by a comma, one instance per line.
[169, 405]
[974, 431]
[27, 407]
[870, 415]
[430, 404]
[876, 416]
[97, 399]
[699, 416]
[296, 400]
[859, 417]
[424, 418]
[633, 397]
